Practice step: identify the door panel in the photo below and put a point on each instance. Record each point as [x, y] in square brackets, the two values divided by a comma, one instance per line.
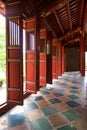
[42, 69]
[32, 55]
[14, 61]
[43, 37]
[30, 72]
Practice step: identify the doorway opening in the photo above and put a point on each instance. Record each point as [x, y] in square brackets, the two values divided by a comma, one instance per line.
[2, 60]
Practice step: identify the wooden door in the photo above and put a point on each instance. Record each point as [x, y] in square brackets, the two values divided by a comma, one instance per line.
[14, 60]
[42, 57]
[32, 57]
[54, 59]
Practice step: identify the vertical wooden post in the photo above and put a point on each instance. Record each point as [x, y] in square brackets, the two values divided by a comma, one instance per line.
[54, 58]
[59, 59]
[82, 54]
[49, 58]
[63, 60]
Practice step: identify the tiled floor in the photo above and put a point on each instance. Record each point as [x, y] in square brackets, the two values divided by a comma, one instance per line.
[60, 106]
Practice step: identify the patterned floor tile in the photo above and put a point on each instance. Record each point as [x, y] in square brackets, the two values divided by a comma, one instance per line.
[82, 111]
[62, 107]
[16, 119]
[24, 126]
[44, 92]
[34, 114]
[43, 103]
[30, 106]
[66, 128]
[73, 104]
[54, 100]
[57, 120]
[38, 98]
[64, 98]
[74, 87]
[41, 124]
[74, 91]
[49, 110]
[28, 100]
[72, 96]
[49, 96]
[57, 94]
[71, 115]
[80, 124]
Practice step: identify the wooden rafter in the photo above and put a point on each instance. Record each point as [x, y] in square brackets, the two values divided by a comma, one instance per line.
[70, 33]
[58, 21]
[72, 41]
[69, 14]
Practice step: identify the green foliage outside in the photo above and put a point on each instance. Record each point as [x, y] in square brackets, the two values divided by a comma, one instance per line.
[2, 52]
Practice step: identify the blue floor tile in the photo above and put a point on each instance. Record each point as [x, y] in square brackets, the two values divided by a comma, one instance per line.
[45, 92]
[58, 94]
[16, 119]
[30, 106]
[73, 104]
[38, 98]
[49, 110]
[73, 96]
[54, 100]
[41, 124]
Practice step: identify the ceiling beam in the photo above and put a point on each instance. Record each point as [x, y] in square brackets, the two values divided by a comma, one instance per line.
[70, 33]
[52, 7]
[81, 11]
[58, 21]
[72, 41]
[69, 14]
[45, 22]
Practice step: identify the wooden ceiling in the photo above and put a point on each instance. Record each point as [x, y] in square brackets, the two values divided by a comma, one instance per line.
[63, 17]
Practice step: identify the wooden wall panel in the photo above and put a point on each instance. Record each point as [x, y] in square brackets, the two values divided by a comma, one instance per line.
[14, 75]
[54, 58]
[14, 57]
[32, 55]
[72, 59]
[43, 37]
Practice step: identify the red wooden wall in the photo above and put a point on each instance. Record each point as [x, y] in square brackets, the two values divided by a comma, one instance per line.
[43, 36]
[59, 60]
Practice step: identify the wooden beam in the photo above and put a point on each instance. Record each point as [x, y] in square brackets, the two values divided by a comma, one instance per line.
[70, 33]
[50, 28]
[81, 11]
[58, 21]
[69, 14]
[53, 7]
[72, 41]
